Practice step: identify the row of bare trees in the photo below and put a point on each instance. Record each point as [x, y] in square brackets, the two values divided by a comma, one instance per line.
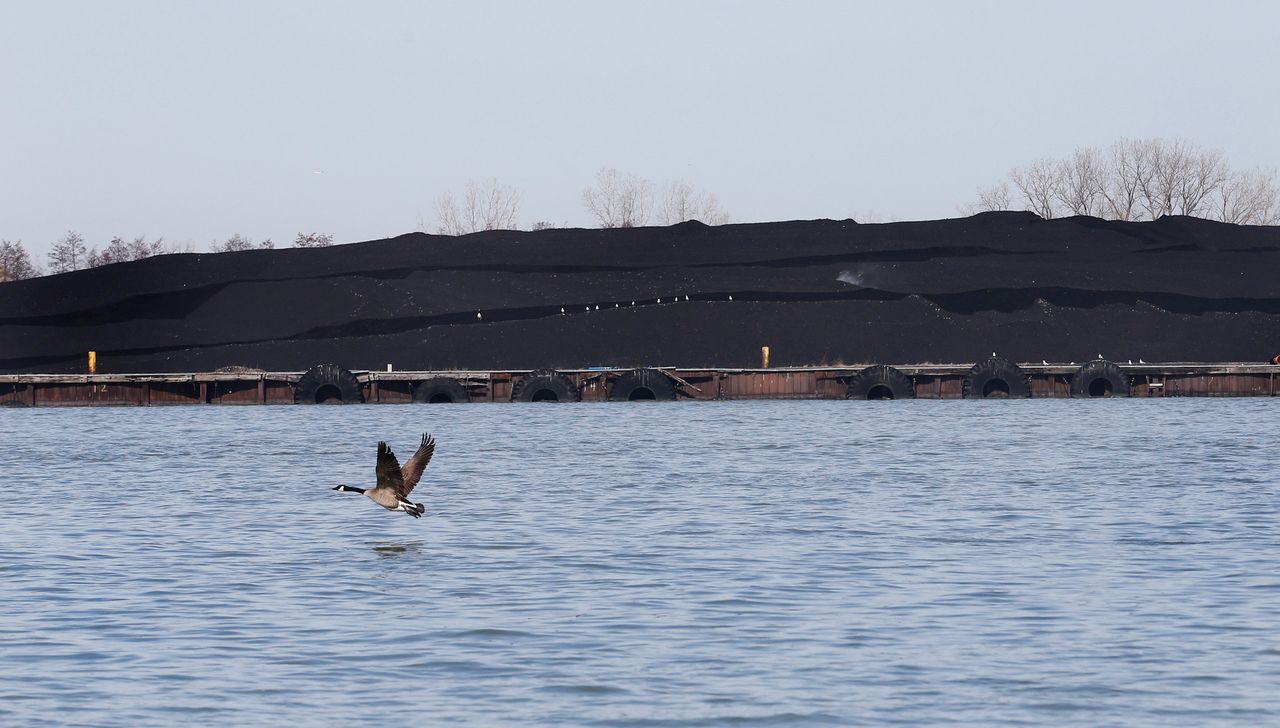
[488, 205]
[1133, 179]
[240, 242]
[1139, 179]
[620, 199]
[70, 253]
[616, 199]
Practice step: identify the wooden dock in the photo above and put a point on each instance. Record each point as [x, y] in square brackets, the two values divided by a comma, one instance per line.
[333, 384]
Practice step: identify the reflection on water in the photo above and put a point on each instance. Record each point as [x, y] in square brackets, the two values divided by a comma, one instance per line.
[777, 563]
[393, 549]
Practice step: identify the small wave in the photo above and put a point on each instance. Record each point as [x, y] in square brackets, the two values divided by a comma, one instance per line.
[493, 632]
[584, 689]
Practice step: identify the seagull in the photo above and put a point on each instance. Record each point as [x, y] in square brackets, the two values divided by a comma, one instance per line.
[396, 483]
[730, 297]
[478, 316]
[993, 353]
[1044, 361]
[686, 298]
[1141, 361]
[1099, 356]
[562, 309]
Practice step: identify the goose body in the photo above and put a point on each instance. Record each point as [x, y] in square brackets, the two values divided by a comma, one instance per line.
[394, 483]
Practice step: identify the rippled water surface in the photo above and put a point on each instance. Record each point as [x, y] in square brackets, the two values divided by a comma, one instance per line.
[635, 564]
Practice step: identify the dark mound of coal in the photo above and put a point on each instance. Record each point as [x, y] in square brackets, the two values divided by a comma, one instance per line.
[818, 292]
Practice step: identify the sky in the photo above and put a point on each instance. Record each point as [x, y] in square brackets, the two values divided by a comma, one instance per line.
[194, 121]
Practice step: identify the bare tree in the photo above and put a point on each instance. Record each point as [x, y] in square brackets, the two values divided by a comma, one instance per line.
[546, 225]
[619, 200]
[239, 242]
[990, 199]
[15, 263]
[1196, 177]
[1129, 171]
[1039, 184]
[1248, 198]
[119, 251]
[313, 240]
[485, 206]
[1082, 183]
[68, 253]
[680, 202]
[1175, 178]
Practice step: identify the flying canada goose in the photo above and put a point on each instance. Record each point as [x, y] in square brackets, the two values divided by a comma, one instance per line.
[396, 483]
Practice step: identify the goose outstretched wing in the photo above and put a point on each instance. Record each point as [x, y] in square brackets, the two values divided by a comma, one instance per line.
[418, 463]
[389, 475]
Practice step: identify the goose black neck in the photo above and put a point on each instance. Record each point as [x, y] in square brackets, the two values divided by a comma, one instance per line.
[352, 489]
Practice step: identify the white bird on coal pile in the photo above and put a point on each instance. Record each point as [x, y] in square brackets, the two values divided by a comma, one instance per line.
[562, 309]
[478, 316]
[1141, 361]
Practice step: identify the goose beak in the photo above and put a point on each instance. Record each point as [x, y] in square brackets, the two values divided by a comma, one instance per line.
[339, 487]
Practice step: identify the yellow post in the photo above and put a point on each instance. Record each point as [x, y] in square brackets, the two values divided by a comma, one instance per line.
[764, 357]
[93, 362]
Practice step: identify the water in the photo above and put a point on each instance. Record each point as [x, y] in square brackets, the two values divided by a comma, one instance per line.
[645, 564]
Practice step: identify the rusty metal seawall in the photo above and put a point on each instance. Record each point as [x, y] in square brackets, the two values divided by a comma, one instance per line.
[333, 384]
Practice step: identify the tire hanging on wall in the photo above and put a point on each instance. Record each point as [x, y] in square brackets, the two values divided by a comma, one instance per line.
[1099, 378]
[880, 382]
[996, 377]
[545, 385]
[441, 390]
[642, 384]
[327, 383]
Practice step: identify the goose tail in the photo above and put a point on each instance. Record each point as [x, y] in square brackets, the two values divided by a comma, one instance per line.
[414, 509]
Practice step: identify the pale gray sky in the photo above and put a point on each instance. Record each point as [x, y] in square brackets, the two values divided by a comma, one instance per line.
[196, 120]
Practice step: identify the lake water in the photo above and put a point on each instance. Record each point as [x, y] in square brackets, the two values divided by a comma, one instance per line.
[1111, 562]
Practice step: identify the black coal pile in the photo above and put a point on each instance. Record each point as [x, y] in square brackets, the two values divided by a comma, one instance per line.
[820, 292]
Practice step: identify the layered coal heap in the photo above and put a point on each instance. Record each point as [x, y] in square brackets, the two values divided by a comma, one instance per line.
[817, 293]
